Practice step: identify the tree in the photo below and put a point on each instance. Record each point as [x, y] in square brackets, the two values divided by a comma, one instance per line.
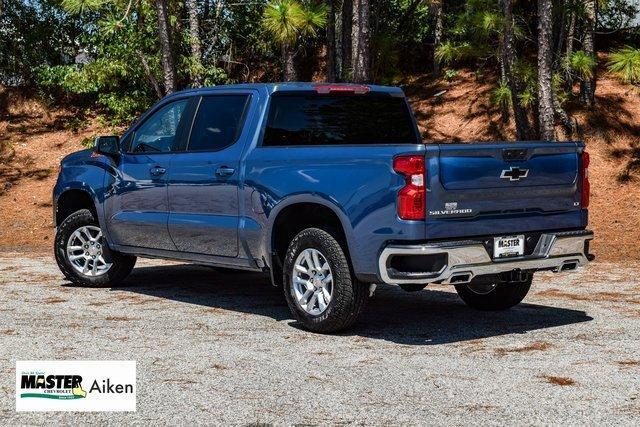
[331, 70]
[524, 129]
[568, 44]
[545, 70]
[165, 45]
[287, 21]
[437, 32]
[194, 41]
[282, 19]
[588, 86]
[361, 41]
[346, 70]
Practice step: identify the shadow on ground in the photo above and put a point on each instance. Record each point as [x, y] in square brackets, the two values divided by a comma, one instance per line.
[429, 317]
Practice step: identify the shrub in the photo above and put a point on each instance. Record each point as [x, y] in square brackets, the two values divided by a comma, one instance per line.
[625, 63]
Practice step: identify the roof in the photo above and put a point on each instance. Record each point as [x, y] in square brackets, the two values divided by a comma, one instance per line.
[284, 86]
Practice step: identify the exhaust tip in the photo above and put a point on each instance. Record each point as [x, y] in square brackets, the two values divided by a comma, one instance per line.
[569, 266]
[460, 278]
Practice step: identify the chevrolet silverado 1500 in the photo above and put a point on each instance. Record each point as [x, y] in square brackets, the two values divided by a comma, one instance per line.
[327, 188]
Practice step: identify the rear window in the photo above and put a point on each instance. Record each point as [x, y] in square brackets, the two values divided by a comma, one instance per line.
[336, 119]
[218, 122]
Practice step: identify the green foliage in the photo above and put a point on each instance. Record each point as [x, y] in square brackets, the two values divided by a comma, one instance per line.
[527, 98]
[625, 63]
[88, 141]
[502, 95]
[451, 74]
[582, 64]
[82, 6]
[451, 52]
[558, 86]
[77, 123]
[283, 20]
[286, 20]
[314, 17]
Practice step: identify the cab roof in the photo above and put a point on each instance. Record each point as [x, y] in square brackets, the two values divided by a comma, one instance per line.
[271, 88]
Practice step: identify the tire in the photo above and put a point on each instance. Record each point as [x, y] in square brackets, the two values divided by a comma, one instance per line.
[121, 264]
[412, 287]
[491, 294]
[347, 295]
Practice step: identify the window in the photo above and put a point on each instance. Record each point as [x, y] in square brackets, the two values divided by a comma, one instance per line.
[218, 122]
[157, 133]
[318, 119]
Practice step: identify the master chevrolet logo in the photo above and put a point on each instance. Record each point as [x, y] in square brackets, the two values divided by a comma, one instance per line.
[514, 174]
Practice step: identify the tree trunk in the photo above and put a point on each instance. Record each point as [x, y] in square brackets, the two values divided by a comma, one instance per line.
[288, 65]
[568, 49]
[524, 130]
[438, 32]
[147, 71]
[545, 70]
[165, 45]
[347, 26]
[588, 87]
[331, 42]
[360, 38]
[194, 41]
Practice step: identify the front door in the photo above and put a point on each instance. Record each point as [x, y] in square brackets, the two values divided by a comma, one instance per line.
[137, 209]
[203, 180]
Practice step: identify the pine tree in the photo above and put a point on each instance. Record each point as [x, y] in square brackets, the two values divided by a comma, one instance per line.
[361, 41]
[165, 45]
[545, 70]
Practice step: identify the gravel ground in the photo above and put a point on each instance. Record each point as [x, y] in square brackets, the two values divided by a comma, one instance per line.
[216, 348]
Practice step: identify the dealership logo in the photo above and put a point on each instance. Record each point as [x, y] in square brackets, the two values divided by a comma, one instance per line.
[52, 386]
[63, 385]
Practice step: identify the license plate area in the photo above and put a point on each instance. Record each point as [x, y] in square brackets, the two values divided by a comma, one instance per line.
[508, 246]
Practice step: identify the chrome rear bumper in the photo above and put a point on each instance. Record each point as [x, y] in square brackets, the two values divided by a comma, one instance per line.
[467, 259]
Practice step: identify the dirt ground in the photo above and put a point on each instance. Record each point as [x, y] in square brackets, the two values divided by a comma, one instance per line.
[34, 139]
[215, 348]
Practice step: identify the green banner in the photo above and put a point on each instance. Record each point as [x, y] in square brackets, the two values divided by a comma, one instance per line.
[52, 396]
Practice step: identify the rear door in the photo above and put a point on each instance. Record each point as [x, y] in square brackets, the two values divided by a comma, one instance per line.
[203, 181]
[481, 189]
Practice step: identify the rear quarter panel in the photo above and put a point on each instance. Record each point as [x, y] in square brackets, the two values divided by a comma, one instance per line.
[357, 182]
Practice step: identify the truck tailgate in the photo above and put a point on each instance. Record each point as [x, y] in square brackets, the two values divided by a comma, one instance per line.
[497, 188]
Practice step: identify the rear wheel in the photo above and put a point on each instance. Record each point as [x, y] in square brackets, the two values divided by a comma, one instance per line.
[490, 293]
[83, 255]
[320, 290]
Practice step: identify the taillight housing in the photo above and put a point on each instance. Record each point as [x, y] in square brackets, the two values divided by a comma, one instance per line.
[584, 175]
[412, 203]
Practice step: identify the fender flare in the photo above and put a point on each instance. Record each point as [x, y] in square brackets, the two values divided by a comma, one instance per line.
[82, 186]
[294, 199]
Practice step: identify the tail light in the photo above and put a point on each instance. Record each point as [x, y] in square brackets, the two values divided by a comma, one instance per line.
[411, 198]
[584, 174]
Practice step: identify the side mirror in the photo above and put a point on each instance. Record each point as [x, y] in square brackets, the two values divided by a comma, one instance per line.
[107, 145]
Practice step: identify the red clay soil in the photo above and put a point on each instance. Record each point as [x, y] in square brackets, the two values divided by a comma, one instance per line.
[33, 140]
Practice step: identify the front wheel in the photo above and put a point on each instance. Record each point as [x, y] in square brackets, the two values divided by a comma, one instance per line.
[83, 255]
[320, 290]
[490, 293]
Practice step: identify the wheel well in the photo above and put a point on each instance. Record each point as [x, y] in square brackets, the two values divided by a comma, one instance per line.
[295, 218]
[71, 201]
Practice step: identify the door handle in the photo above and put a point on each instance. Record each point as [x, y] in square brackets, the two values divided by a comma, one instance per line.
[156, 171]
[225, 171]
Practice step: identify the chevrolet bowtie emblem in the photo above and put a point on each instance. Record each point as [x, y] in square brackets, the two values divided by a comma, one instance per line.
[514, 174]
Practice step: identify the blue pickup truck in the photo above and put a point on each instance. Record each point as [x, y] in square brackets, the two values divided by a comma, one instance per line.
[330, 190]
